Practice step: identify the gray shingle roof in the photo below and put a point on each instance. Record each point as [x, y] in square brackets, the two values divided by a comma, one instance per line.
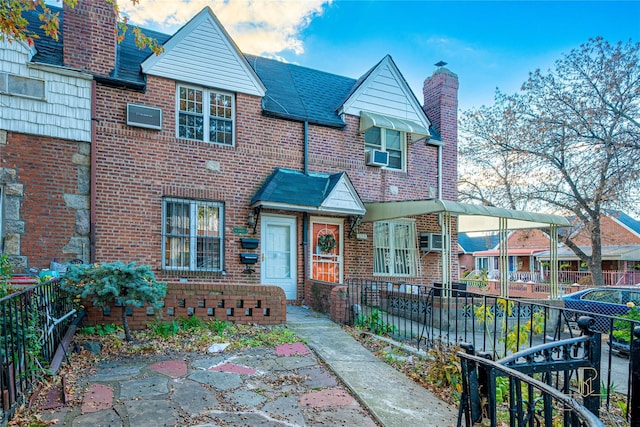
[471, 244]
[295, 188]
[293, 92]
[301, 93]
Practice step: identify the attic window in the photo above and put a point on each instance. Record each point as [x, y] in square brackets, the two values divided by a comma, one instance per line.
[391, 141]
[21, 86]
[205, 115]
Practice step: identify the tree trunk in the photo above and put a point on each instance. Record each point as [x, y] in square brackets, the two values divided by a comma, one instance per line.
[125, 325]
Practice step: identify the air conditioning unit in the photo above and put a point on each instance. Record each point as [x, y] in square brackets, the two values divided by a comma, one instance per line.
[377, 158]
[435, 242]
[430, 242]
[144, 117]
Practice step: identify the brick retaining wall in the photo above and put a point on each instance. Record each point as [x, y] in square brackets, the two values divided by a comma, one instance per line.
[259, 304]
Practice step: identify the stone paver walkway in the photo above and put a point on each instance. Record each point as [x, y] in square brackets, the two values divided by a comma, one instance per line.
[285, 386]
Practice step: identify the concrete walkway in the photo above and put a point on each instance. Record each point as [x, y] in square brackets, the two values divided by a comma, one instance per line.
[391, 397]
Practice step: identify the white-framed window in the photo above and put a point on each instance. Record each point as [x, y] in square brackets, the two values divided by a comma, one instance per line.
[389, 140]
[395, 251]
[205, 115]
[192, 235]
[22, 86]
[482, 262]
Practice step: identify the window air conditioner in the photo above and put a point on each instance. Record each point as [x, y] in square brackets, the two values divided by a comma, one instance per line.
[144, 117]
[430, 242]
[435, 242]
[377, 158]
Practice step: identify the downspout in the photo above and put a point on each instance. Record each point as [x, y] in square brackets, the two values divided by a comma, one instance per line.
[439, 172]
[92, 184]
[305, 215]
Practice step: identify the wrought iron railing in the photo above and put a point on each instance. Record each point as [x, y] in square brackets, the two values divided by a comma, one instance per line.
[32, 324]
[528, 401]
[425, 316]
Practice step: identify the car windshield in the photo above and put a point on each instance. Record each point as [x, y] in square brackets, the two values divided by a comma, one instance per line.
[605, 295]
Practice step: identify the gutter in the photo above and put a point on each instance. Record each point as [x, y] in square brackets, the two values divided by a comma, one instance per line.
[305, 215]
[92, 184]
[439, 172]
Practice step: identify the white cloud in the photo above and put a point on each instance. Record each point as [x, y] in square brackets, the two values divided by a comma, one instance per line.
[262, 27]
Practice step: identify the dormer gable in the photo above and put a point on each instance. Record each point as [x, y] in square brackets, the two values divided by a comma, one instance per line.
[203, 53]
[386, 100]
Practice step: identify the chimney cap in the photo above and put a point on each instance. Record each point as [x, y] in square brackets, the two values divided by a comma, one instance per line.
[440, 64]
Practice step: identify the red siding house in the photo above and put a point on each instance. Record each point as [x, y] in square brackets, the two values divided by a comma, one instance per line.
[241, 180]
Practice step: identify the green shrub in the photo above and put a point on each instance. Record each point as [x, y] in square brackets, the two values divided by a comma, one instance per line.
[116, 284]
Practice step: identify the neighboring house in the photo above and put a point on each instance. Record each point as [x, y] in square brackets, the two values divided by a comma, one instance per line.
[469, 244]
[45, 135]
[242, 181]
[528, 251]
[620, 236]
[522, 248]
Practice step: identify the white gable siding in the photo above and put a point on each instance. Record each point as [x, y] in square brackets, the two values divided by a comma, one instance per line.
[382, 93]
[205, 57]
[385, 92]
[64, 113]
[343, 198]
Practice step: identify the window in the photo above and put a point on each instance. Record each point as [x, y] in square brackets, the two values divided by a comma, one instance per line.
[391, 141]
[205, 115]
[22, 86]
[394, 248]
[192, 236]
[482, 263]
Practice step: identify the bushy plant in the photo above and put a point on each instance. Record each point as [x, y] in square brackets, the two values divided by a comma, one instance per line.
[116, 284]
[375, 323]
[622, 329]
[6, 273]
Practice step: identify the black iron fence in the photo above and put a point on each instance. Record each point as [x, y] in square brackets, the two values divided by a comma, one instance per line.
[32, 324]
[426, 316]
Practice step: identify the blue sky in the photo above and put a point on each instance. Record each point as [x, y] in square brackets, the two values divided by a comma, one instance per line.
[488, 44]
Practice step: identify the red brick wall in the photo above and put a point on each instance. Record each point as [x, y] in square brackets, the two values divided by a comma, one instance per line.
[612, 232]
[89, 36]
[528, 239]
[441, 106]
[239, 303]
[46, 170]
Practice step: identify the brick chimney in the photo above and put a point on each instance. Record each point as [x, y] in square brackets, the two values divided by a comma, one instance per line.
[441, 107]
[89, 37]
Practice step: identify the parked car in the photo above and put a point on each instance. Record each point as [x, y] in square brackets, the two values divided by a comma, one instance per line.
[602, 303]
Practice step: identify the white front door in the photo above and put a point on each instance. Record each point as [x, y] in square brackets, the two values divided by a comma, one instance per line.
[278, 255]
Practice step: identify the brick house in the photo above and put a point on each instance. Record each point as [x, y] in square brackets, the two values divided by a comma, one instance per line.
[45, 136]
[529, 251]
[256, 203]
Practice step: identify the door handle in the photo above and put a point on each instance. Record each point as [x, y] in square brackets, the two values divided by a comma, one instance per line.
[263, 257]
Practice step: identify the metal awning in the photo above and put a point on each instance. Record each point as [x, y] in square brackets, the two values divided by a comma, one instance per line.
[470, 217]
[369, 120]
[475, 218]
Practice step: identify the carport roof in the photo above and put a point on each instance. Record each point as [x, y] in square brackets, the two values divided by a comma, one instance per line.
[470, 217]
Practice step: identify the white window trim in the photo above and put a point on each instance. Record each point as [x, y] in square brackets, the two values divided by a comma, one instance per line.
[383, 147]
[414, 250]
[192, 234]
[340, 260]
[206, 101]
